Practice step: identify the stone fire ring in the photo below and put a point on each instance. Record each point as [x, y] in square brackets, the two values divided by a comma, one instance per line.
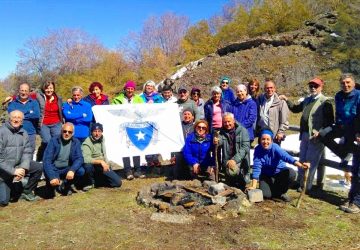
[194, 198]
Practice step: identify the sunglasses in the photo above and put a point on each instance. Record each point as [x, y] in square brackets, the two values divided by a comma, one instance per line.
[67, 132]
[182, 92]
[313, 86]
[201, 127]
[225, 82]
[195, 93]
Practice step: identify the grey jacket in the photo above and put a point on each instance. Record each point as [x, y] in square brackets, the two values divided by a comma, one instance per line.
[15, 150]
[189, 104]
[278, 115]
[242, 147]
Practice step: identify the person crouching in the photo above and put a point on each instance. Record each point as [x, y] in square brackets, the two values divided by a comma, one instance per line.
[270, 168]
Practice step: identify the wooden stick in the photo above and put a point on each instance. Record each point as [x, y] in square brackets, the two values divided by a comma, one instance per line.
[203, 193]
[306, 175]
[216, 135]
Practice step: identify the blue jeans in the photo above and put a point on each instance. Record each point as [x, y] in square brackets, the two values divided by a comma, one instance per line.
[100, 178]
[354, 193]
[49, 131]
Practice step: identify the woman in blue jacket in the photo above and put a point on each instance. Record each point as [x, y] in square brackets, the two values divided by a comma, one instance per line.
[245, 110]
[197, 151]
[270, 168]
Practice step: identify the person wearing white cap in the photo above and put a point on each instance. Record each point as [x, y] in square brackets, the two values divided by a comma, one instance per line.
[150, 95]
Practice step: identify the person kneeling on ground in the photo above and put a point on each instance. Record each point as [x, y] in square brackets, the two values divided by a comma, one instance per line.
[19, 175]
[235, 145]
[63, 160]
[270, 168]
[96, 165]
[197, 151]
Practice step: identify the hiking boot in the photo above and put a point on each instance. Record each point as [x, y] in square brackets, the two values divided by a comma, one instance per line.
[352, 209]
[88, 187]
[63, 190]
[344, 206]
[285, 198]
[139, 174]
[29, 197]
[129, 175]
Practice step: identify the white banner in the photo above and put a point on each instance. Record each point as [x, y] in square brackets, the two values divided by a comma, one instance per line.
[140, 129]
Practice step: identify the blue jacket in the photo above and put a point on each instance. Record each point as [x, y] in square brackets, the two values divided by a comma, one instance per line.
[209, 111]
[246, 113]
[52, 151]
[157, 98]
[31, 112]
[270, 161]
[347, 107]
[196, 152]
[228, 95]
[79, 114]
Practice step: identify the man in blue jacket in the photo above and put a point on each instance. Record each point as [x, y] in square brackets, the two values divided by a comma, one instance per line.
[31, 110]
[63, 161]
[79, 113]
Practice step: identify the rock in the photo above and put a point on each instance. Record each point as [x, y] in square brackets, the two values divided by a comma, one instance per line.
[221, 200]
[172, 218]
[216, 189]
[255, 195]
[176, 198]
[177, 210]
[207, 184]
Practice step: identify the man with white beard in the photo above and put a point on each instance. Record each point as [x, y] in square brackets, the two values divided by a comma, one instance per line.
[317, 114]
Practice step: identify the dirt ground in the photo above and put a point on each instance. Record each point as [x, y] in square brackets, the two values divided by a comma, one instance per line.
[111, 219]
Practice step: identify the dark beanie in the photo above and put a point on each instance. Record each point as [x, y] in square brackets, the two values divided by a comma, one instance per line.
[96, 126]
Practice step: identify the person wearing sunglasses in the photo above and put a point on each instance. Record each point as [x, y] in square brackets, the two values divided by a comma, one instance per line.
[195, 95]
[227, 92]
[317, 114]
[185, 102]
[197, 152]
[63, 162]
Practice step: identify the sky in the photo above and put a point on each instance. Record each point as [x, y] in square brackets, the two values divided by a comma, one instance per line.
[107, 20]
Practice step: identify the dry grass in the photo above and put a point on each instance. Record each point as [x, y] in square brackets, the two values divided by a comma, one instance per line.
[106, 218]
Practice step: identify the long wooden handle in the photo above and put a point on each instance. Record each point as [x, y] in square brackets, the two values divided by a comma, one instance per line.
[216, 134]
[306, 175]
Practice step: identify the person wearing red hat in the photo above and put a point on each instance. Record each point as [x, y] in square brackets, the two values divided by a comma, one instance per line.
[317, 114]
[128, 96]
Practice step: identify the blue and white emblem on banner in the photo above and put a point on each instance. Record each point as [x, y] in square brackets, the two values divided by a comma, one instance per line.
[140, 133]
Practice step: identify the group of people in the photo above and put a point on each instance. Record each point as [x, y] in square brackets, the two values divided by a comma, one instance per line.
[218, 136]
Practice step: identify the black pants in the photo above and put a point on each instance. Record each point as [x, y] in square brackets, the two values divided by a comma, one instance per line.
[340, 150]
[275, 186]
[127, 164]
[181, 170]
[8, 188]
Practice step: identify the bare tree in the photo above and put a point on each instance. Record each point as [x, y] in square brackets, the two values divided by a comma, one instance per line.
[164, 32]
[61, 51]
[228, 13]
